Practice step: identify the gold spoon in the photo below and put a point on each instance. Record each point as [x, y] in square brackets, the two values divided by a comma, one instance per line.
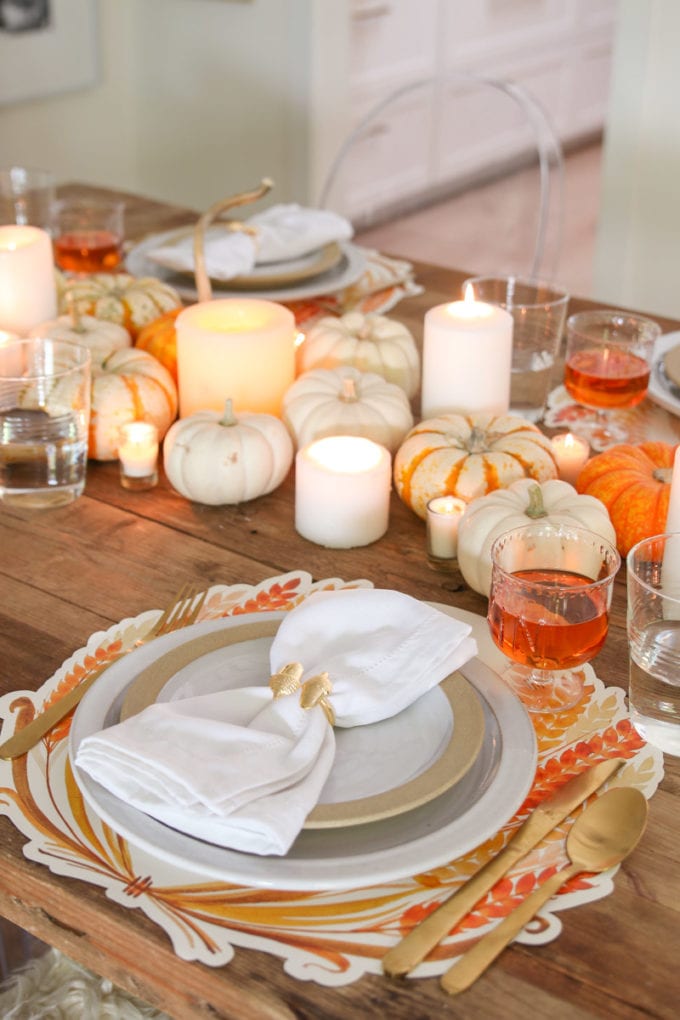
[600, 838]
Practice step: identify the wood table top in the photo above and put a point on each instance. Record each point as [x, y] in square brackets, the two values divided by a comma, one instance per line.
[72, 571]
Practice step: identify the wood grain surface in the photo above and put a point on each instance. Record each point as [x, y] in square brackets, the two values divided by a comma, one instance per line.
[70, 571]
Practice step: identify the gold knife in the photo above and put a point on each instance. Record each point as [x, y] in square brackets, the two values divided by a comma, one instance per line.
[415, 946]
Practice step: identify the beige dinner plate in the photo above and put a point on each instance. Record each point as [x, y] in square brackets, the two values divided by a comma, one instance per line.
[455, 742]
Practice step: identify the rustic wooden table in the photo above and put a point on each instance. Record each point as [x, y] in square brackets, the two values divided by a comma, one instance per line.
[112, 554]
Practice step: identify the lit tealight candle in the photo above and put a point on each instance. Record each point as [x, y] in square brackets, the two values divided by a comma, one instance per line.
[467, 358]
[571, 453]
[28, 290]
[243, 348]
[342, 491]
[138, 455]
[443, 516]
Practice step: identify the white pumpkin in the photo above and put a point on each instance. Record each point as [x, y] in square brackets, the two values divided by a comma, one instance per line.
[223, 458]
[101, 337]
[469, 455]
[130, 385]
[132, 302]
[369, 343]
[524, 502]
[344, 401]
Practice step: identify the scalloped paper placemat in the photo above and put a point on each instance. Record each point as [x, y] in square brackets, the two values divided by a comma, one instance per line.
[332, 938]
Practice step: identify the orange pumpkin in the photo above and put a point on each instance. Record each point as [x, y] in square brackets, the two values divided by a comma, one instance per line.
[160, 339]
[633, 482]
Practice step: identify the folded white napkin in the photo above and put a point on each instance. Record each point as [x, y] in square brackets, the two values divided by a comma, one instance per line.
[282, 233]
[243, 769]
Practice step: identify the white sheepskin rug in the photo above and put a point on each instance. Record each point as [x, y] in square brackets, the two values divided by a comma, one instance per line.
[52, 987]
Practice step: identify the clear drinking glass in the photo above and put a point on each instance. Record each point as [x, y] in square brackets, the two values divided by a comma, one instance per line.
[551, 590]
[653, 567]
[607, 366]
[44, 418]
[26, 196]
[538, 310]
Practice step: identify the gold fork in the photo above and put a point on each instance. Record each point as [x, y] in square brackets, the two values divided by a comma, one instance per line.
[181, 612]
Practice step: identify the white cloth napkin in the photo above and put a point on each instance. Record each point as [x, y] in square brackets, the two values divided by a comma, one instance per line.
[241, 769]
[283, 232]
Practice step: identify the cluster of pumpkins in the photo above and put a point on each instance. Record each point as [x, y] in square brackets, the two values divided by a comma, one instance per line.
[356, 376]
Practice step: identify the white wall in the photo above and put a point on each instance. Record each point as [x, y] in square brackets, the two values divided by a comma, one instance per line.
[638, 249]
[197, 99]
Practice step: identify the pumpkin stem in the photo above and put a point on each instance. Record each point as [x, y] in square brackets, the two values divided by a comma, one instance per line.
[349, 393]
[536, 506]
[228, 418]
[76, 317]
[477, 443]
[662, 474]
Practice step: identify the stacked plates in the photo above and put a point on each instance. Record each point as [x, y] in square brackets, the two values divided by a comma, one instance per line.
[405, 795]
[324, 271]
[664, 380]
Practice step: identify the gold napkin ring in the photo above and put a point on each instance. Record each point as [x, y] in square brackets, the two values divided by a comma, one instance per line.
[313, 692]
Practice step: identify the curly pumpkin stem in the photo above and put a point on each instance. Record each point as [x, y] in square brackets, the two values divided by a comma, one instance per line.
[228, 418]
[536, 506]
[203, 284]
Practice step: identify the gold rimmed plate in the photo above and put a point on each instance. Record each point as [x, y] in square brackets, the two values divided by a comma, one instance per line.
[380, 770]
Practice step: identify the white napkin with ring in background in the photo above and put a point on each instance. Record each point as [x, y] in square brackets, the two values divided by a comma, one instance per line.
[243, 769]
[282, 233]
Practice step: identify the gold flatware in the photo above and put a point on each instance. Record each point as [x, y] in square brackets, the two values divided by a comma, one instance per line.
[181, 612]
[415, 946]
[604, 834]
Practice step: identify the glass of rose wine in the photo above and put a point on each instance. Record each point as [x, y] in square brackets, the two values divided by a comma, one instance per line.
[607, 367]
[87, 235]
[551, 590]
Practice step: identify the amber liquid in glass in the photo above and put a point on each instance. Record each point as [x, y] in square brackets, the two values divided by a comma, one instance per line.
[538, 622]
[88, 251]
[606, 378]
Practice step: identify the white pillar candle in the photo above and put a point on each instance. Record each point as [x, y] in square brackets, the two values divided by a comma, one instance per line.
[571, 453]
[467, 358]
[443, 517]
[138, 450]
[28, 290]
[342, 491]
[238, 348]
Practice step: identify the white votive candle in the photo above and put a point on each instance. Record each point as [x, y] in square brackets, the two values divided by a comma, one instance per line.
[443, 517]
[138, 454]
[571, 453]
[243, 348]
[467, 358]
[28, 291]
[670, 566]
[342, 491]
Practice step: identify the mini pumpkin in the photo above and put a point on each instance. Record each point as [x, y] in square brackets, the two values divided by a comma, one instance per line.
[468, 456]
[221, 459]
[369, 343]
[101, 337]
[633, 482]
[130, 385]
[160, 339]
[344, 401]
[130, 301]
[523, 502]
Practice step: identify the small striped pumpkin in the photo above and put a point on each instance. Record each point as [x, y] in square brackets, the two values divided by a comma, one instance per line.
[132, 302]
[130, 386]
[468, 456]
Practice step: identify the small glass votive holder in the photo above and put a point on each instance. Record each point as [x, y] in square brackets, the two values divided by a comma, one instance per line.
[443, 517]
[138, 455]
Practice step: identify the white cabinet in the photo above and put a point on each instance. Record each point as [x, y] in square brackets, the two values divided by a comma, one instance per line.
[441, 136]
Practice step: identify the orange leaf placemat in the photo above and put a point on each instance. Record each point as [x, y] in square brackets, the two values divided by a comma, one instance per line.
[329, 937]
